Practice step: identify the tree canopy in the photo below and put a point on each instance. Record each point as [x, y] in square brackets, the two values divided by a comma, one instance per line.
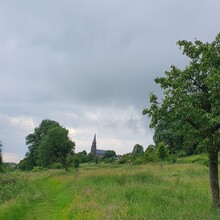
[191, 103]
[174, 141]
[55, 146]
[109, 154]
[48, 143]
[137, 149]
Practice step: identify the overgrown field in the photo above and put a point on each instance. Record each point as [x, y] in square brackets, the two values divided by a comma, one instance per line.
[177, 191]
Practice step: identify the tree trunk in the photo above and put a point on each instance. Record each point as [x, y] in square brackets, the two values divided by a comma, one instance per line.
[213, 176]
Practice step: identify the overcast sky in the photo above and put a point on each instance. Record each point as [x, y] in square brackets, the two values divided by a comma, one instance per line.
[90, 65]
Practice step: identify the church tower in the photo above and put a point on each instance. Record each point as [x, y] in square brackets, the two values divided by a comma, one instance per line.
[93, 147]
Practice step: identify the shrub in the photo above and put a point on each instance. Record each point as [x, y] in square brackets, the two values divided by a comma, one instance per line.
[172, 158]
[10, 187]
[56, 165]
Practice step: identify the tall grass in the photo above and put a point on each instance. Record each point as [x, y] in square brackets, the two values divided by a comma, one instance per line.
[179, 191]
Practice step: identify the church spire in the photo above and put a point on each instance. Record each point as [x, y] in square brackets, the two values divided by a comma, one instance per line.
[93, 147]
[94, 139]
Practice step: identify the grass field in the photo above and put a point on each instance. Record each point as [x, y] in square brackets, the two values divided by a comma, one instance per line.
[175, 191]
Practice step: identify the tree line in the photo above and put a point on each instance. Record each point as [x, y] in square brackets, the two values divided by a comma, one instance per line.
[50, 146]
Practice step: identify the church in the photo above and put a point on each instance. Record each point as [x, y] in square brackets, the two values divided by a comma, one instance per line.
[95, 151]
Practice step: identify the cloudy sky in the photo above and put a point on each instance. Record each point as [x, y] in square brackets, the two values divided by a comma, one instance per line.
[90, 65]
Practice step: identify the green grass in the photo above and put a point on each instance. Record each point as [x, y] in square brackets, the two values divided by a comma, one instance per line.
[177, 191]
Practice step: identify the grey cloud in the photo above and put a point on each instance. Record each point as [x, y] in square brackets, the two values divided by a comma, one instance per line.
[67, 60]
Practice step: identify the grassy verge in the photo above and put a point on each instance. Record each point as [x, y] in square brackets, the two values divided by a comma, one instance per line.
[179, 191]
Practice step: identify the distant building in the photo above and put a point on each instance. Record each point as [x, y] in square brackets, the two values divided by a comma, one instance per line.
[94, 150]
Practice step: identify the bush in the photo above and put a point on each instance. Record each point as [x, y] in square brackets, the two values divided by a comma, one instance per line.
[198, 159]
[10, 187]
[56, 165]
[202, 161]
[138, 161]
[172, 158]
[122, 161]
[150, 154]
[109, 160]
[76, 163]
[180, 154]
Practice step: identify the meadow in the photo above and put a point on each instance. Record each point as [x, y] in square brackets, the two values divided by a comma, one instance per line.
[151, 191]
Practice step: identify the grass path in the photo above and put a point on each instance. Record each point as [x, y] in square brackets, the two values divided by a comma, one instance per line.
[52, 196]
[47, 196]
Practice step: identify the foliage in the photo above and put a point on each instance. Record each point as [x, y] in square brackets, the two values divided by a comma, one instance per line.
[165, 133]
[192, 96]
[10, 187]
[82, 156]
[109, 154]
[191, 103]
[47, 145]
[23, 164]
[9, 166]
[56, 165]
[33, 141]
[55, 147]
[76, 162]
[137, 150]
[90, 157]
[96, 159]
[162, 151]
[125, 158]
[150, 154]
[201, 159]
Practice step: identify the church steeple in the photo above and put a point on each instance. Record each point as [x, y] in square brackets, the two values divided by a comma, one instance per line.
[94, 139]
[93, 147]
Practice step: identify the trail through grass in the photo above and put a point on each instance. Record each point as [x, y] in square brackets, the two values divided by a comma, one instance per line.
[127, 192]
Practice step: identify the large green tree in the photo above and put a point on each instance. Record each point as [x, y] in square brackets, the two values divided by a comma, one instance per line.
[48, 143]
[34, 139]
[55, 147]
[191, 102]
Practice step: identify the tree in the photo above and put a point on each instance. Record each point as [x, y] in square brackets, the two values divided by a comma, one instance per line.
[150, 154]
[33, 141]
[164, 133]
[109, 154]
[137, 150]
[48, 144]
[22, 165]
[191, 102]
[90, 157]
[55, 147]
[1, 161]
[82, 156]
